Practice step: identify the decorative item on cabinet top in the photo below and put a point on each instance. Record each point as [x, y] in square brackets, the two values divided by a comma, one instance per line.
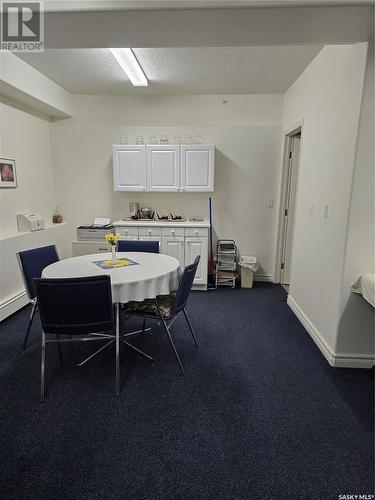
[164, 167]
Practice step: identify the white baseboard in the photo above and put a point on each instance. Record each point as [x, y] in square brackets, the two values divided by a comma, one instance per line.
[263, 277]
[13, 304]
[337, 360]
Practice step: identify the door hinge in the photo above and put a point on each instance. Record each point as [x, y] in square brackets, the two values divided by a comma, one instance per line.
[290, 155]
[286, 212]
[282, 265]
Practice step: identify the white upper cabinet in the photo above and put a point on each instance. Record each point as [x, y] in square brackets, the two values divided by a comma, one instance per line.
[163, 168]
[129, 168]
[197, 167]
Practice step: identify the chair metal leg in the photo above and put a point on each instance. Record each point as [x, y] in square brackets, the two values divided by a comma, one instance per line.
[29, 325]
[191, 328]
[173, 347]
[170, 337]
[95, 353]
[139, 351]
[117, 349]
[42, 366]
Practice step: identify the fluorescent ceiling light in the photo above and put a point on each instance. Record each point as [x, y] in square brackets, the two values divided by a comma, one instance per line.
[130, 66]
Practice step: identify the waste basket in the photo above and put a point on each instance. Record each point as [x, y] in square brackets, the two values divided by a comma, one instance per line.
[248, 266]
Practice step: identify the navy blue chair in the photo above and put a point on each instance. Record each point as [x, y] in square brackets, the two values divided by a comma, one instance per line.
[76, 310]
[32, 262]
[149, 246]
[166, 308]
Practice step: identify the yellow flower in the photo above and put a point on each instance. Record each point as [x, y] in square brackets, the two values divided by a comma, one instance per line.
[111, 238]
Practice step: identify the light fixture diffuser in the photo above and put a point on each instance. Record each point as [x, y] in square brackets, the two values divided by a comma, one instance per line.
[130, 66]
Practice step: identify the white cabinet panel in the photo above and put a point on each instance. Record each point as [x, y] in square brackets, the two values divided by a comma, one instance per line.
[129, 168]
[197, 167]
[163, 168]
[194, 247]
[175, 247]
[200, 232]
[149, 231]
[127, 233]
[173, 231]
[181, 242]
[89, 247]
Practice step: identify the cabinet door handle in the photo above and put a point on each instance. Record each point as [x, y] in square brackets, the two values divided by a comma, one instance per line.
[183, 189]
[126, 230]
[195, 232]
[177, 189]
[173, 231]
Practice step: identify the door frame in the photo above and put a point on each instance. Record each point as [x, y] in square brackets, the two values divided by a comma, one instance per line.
[287, 134]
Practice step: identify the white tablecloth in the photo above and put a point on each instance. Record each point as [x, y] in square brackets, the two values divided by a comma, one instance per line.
[155, 274]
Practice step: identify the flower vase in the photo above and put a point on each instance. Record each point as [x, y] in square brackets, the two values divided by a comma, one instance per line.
[114, 257]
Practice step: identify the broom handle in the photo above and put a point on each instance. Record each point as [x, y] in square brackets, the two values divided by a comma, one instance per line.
[210, 211]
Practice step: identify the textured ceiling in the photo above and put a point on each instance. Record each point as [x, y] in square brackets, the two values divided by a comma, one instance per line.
[96, 5]
[188, 70]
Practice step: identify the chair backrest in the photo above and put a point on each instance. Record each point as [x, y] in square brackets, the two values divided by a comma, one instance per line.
[184, 286]
[75, 306]
[138, 246]
[32, 263]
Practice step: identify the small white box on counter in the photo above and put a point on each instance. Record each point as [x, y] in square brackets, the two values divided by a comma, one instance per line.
[29, 221]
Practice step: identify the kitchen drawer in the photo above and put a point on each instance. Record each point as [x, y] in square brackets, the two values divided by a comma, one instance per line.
[127, 231]
[199, 232]
[173, 231]
[149, 231]
[89, 247]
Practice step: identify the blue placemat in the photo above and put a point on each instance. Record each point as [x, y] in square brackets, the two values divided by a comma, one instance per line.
[110, 264]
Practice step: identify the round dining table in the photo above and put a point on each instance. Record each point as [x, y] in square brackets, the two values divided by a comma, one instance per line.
[148, 275]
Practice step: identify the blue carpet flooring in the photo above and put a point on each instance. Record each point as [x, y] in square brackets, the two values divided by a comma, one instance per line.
[259, 415]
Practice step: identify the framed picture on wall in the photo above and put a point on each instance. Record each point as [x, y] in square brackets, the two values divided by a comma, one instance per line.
[8, 177]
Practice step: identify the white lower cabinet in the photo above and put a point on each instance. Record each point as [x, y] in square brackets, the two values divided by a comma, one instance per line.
[175, 247]
[182, 243]
[193, 247]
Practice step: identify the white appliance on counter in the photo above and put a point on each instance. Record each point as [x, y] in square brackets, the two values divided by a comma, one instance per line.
[29, 221]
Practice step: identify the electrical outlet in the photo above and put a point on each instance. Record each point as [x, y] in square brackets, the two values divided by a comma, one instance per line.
[270, 202]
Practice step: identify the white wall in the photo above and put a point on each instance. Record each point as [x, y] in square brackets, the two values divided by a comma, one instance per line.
[356, 322]
[26, 139]
[245, 129]
[327, 97]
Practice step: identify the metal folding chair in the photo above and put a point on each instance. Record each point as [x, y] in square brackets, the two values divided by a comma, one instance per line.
[79, 310]
[32, 262]
[166, 308]
[149, 246]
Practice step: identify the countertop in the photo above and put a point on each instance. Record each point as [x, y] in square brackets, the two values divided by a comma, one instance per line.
[158, 223]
